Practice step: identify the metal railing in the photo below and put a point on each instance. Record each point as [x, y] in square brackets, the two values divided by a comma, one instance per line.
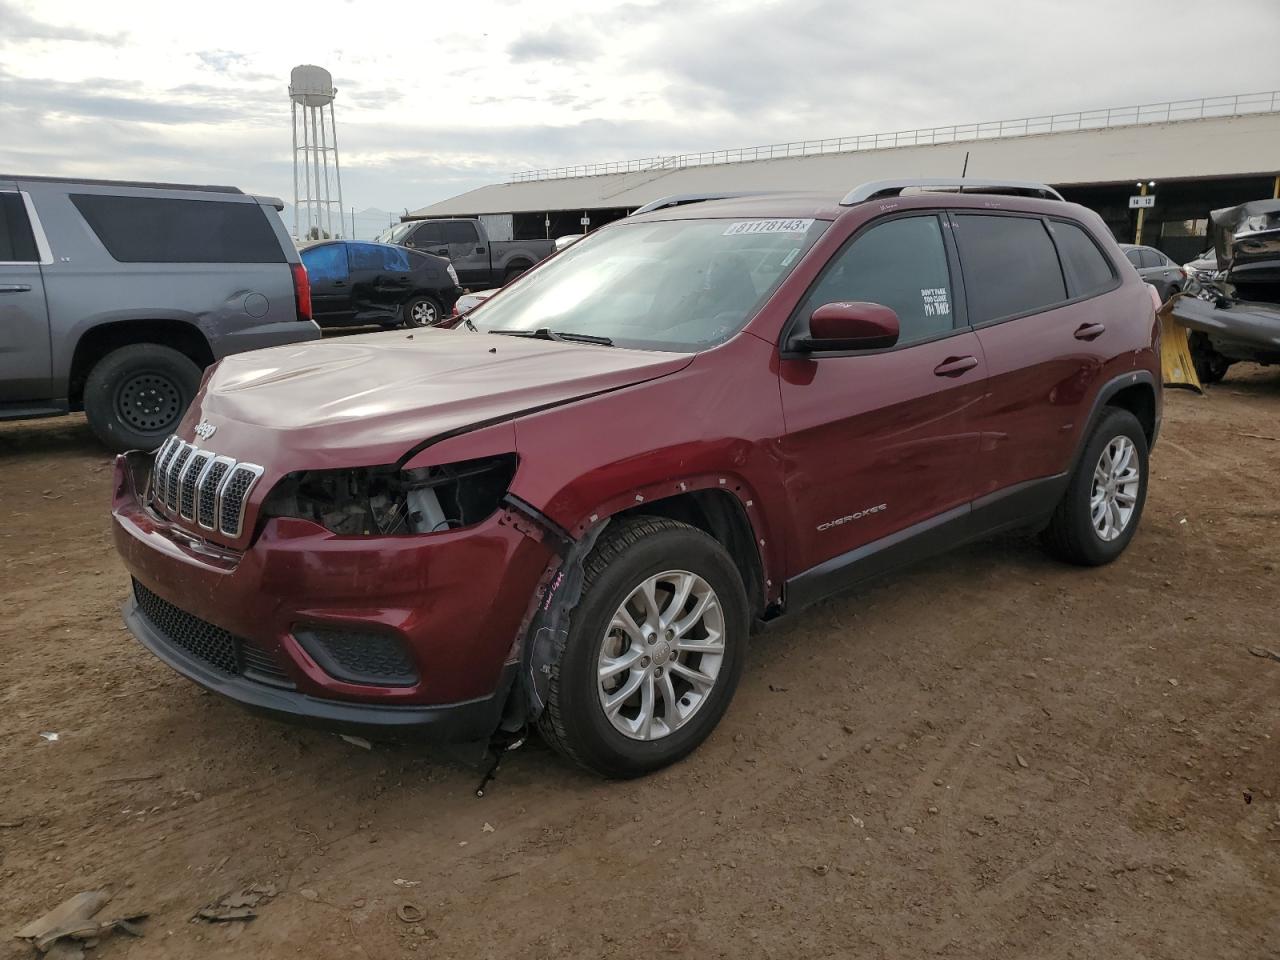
[1231, 105]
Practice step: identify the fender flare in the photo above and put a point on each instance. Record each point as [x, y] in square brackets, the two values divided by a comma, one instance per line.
[1104, 394]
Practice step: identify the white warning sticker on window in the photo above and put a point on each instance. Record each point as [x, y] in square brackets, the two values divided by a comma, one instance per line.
[936, 301]
[768, 226]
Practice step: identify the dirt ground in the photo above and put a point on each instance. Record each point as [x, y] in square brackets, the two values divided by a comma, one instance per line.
[990, 756]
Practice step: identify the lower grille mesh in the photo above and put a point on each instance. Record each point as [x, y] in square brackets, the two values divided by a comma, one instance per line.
[212, 645]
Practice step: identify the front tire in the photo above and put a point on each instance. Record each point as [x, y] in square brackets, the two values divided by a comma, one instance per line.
[135, 396]
[1100, 510]
[654, 649]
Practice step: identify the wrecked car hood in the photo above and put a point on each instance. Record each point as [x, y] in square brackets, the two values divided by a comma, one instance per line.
[372, 397]
[1242, 321]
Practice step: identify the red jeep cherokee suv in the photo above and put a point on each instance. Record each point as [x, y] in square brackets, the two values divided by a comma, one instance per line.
[573, 508]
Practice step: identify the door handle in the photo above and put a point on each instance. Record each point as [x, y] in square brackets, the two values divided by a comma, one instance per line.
[479, 249]
[954, 366]
[339, 283]
[1089, 331]
[15, 288]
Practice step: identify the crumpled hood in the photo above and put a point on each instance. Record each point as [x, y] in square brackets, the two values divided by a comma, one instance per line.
[368, 399]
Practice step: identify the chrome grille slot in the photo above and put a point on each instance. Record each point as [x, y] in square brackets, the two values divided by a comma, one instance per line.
[231, 498]
[191, 476]
[174, 476]
[209, 490]
[197, 485]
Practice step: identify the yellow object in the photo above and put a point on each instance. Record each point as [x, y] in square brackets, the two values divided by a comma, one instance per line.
[1176, 366]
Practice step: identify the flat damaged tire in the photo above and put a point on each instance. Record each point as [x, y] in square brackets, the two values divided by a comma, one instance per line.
[653, 652]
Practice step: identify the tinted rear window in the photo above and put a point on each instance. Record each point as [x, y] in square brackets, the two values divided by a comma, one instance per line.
[17, 243]
[1010, 267]
[157, 230]
[1088, 271]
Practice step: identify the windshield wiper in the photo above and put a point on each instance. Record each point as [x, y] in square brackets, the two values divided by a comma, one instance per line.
[546, 333]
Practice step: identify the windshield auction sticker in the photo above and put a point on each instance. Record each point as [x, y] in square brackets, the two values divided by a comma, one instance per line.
[767, 226]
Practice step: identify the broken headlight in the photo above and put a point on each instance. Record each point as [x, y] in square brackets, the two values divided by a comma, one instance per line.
[386, 501]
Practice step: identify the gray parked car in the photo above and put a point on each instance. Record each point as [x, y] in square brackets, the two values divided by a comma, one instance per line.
[1158, 270]
[114, 296]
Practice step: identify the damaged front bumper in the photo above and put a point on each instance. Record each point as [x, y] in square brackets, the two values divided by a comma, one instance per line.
[366, 633]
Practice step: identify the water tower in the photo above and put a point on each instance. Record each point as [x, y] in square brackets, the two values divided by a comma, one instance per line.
[317, 196]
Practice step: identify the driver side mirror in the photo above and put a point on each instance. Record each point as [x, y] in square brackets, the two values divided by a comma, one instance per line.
[849, 325]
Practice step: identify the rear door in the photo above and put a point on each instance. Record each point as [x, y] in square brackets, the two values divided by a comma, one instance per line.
[882, 441]
[379, 281]
[26, 370]
[1036, 294]
[470, 257]
[330, 280]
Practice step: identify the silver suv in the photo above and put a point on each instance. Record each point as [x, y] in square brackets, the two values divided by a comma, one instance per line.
[114, 296]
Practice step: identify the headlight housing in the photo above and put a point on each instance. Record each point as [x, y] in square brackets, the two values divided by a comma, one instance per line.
[453, 274]
[385, 501]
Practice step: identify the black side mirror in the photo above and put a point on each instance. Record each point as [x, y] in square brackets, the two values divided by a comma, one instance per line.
[849, 325]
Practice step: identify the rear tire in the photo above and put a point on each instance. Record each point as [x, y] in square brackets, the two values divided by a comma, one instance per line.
[1211, 366]
[681, 713]
[422, 312]
[135, 396]
[514, 271]
[1078, 532]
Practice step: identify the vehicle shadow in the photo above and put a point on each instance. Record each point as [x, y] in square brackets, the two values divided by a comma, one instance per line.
[52, 435]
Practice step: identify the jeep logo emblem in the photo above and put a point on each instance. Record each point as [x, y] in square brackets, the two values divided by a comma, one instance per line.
[205, 429]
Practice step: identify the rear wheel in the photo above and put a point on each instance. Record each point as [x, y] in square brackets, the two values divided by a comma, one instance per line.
[653, 652]
[422, 312]
[135, 395]
[1211, 366]
[514, 271]
[1100, 510]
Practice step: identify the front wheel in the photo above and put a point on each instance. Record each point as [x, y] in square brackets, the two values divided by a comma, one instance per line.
[135, 395]
[1100, 510]
[654, 649]
[422, 312]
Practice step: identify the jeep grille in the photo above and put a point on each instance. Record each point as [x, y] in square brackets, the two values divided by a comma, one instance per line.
[190, 483]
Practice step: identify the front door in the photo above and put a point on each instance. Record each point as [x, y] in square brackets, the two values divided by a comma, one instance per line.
[330, 281]
[883, 442]
[25, 366]
[470, 257]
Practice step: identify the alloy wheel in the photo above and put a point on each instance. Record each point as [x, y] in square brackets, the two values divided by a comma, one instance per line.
[1114, 492]
[423, 313]
[661, 655]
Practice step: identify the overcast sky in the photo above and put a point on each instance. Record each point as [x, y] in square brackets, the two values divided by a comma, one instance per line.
[438, 98]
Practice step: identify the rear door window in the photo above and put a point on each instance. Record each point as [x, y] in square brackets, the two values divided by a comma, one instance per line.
[901, 264]
[162, 230]
[325, 264]
[1134, 256]
[1088, 270]
[365, 256]
[460, 231]
[17, 241]
[1151, 258]
[1010, 266]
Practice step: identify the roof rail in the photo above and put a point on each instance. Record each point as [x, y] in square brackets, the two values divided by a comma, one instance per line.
[680, 199]
[892, 188]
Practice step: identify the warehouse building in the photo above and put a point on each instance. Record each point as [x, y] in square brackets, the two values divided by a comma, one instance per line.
[1193, 156]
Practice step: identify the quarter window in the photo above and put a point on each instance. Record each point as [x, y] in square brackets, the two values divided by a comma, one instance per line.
[17, 242]
[162, 230]
[1010, 267]
[1088, 272]
[901, 264]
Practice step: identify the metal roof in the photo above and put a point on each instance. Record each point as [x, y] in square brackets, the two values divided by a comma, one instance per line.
[1180, 149]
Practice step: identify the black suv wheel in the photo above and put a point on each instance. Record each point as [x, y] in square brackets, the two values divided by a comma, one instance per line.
[135, 395]
[653, 652]
[1099, 513]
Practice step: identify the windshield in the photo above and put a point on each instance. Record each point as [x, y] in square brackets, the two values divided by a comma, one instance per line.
[395, 234]
[680, 285]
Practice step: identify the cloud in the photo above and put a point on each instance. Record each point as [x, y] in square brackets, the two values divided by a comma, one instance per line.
[559, 44]
[222, 61]
[19, 26]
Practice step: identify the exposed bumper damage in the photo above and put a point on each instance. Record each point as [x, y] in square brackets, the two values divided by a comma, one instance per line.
[1237, 329]
[421, 633]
